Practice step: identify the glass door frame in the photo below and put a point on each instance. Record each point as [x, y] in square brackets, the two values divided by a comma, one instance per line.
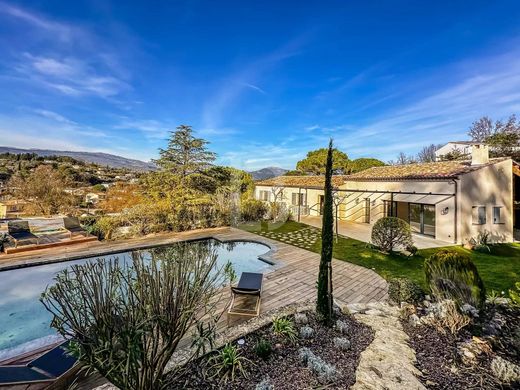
[421, 218]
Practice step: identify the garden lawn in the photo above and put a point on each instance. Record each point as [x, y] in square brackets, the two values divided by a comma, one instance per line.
[499, 269]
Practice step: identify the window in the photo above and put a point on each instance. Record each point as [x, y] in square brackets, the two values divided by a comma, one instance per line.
[497, 215]
[390, 208]
[478, 215]
[298, 200]
[263, 195]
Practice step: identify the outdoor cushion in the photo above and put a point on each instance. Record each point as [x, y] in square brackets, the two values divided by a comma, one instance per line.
[250, 281]
[18, 227]
[71, 223]
[55, 362]
[21, 374]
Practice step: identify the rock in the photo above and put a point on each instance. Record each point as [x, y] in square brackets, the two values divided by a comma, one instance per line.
[414, 320]
[357, 308]
[469, 310]
[374, 312]
[505, 371]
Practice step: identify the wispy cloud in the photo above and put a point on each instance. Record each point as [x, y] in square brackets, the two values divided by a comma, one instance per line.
[59, 30]
[70, 76]
[150, 128]
[246, 77]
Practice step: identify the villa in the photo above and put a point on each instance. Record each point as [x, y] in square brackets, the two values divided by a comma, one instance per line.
[450, 201]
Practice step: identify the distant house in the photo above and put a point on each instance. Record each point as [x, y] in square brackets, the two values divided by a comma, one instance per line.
[463, 147]
[11, 208]
[452, 201]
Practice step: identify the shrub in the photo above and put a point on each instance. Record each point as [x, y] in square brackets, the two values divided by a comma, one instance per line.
[326, 373]
[253, 210]
[282, 326]
[263, 349]
[265, 385]
[481, 243]
[515, 294]
[306, 332]
[341, 343]
[452, 275]
[342, 326]
[130, 325]
[412, 249]
[390, 232]
[105, 227]
[228, 362]
[301, 318]
[405, 290]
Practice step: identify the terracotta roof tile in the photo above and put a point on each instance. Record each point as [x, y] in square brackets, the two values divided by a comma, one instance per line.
[427, 171]
[301, 181]
[424, 171]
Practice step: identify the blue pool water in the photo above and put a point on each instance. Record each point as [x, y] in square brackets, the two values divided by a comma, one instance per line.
[24, 322]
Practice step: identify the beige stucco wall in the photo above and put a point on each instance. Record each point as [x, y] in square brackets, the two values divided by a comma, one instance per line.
[489, 186]
[444, 204]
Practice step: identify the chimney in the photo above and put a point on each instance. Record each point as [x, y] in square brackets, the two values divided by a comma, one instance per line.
[479, 154]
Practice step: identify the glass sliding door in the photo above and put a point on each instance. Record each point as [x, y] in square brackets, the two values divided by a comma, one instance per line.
[415, 217]
[422, 219]
[428, 220]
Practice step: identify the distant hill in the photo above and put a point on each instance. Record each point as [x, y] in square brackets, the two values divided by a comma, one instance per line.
[102, 159]
[267, 173]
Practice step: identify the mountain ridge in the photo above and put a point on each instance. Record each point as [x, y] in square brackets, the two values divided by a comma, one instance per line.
[100, 158]
[267, 173]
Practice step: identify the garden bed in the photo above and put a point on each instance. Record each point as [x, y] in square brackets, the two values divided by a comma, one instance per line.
[464, 360]
[284, 366]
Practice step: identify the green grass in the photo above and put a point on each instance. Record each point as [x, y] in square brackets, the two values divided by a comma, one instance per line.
[499, 269]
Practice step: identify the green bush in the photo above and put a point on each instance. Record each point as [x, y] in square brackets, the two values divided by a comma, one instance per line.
[452, 275]
[229, 362]
[405, 290]
[253, 210]
[514, 294]
[283, 326]
[263, 349]
[390, 232]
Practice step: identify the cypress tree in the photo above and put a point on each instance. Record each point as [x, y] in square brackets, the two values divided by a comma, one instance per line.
[324, 301]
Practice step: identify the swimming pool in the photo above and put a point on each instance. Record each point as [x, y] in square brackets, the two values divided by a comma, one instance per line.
[24, 322]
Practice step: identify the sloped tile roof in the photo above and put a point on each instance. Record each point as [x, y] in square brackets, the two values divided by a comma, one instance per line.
[426, 171]
[301, 181]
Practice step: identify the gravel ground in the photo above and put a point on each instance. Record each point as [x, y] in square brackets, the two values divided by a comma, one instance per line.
[283, 366]
[438, 360]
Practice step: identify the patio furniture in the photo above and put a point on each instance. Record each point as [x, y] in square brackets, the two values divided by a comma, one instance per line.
[246, 296]
[47, 368]
[20, 231]
[73, 226]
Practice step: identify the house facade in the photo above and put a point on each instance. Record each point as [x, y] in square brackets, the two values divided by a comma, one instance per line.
[464, 148]
[452, 201]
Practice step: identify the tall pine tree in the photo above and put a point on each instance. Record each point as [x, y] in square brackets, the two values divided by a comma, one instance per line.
[185, 154]
[325, 300]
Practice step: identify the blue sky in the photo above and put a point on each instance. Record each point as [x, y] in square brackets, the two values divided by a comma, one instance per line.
[264, 82]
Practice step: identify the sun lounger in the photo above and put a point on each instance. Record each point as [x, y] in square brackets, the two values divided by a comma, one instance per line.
[20, 231]
[73, 226]
[47, 368]
[246, 296]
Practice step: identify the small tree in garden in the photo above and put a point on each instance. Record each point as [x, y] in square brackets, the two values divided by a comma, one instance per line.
[325, 299]
[126, 320]
[390, 232]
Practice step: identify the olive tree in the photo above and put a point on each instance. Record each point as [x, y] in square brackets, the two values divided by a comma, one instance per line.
[126, 318]
[391, 232]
